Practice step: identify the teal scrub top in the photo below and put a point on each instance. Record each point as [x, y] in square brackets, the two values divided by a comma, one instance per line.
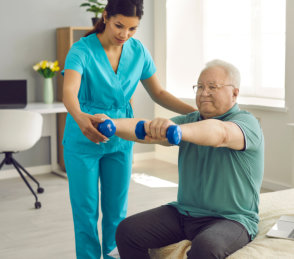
[104, 91]
[222, 182]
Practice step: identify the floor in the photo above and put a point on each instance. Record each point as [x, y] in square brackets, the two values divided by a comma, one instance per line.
[48, 232]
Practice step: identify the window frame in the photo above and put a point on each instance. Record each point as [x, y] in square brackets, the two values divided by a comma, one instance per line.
[161, 44]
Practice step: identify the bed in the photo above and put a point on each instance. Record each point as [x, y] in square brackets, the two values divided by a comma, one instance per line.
[272, 206]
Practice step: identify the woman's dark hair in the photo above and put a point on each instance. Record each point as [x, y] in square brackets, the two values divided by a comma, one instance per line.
[128, 8]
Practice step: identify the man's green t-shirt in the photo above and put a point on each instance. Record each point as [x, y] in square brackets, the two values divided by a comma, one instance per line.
[222, 182]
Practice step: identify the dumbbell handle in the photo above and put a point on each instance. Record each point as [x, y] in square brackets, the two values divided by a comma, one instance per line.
[173, 133]
[107, 128]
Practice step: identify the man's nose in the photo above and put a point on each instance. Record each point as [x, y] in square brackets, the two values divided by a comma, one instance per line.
[207, 92]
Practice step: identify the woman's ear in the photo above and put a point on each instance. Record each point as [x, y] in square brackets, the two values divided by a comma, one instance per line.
[104, 16]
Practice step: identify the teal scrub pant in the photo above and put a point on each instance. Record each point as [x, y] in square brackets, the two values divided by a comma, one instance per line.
[84, 171]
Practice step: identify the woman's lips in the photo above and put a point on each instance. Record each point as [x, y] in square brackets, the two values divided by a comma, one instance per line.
[119, 40]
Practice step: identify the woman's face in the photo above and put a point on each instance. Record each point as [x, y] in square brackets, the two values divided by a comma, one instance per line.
[120, 28]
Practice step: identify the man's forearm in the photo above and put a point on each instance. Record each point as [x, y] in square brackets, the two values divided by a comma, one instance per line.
[125, 128]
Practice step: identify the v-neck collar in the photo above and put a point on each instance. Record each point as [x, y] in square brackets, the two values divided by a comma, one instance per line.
[107, 59]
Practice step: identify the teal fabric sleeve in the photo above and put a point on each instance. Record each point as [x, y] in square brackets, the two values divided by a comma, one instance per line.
[149, 67]
[250, 128]
[76, 59]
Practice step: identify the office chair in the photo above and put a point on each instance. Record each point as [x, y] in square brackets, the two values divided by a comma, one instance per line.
[19, 131]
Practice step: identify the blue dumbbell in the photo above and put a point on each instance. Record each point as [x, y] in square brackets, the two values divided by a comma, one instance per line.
[173, 133]
[107, 128]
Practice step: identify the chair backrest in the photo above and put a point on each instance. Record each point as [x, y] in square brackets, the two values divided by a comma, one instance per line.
[19, 129]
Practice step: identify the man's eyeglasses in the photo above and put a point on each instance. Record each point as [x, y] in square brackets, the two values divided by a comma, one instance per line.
[210, 88]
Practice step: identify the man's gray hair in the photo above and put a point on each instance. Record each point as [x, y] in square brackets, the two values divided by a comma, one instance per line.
[232, 71]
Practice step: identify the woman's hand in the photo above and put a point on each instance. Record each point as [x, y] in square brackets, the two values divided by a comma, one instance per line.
[156, 129]
[88, 124]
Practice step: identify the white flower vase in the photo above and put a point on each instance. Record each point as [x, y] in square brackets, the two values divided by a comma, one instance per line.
[48, 94]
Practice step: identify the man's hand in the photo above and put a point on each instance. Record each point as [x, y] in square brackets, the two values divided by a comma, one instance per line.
[156, 129]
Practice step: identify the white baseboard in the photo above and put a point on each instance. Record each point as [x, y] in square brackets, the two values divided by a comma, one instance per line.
[274, 186]
[144, 156]
[34, 170]
[161, 154]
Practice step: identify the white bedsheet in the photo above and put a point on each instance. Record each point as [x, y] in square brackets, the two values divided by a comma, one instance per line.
[272, 206]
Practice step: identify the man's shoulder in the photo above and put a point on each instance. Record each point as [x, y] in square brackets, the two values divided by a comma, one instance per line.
[242, 114]
[247, 122]
[187, 118]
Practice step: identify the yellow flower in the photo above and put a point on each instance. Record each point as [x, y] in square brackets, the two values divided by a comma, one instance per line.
[47, 68]
[36, 67]
[54, 69]
[44, 64]
[51, 65]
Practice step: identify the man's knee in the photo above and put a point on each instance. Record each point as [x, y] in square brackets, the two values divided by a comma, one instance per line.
[205, 253]
[123, 231]
[207, 249]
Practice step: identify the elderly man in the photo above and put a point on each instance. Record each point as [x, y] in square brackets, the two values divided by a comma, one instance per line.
[220, 165]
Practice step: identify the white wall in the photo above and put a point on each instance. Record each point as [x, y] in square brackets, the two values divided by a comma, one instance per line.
[28, 35]
[143, 105]
[279, 137]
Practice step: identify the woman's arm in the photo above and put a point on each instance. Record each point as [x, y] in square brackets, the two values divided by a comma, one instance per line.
[164, 98]
[86, 122]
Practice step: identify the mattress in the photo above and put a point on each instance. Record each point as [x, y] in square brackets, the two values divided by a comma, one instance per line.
[272, 206]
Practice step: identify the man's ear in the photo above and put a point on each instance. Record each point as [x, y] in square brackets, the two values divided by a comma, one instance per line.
[235, 92]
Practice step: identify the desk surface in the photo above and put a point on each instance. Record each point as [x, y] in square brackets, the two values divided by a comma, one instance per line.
[43, 108]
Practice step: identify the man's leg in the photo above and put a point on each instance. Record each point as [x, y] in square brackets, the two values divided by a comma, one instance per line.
[218, 238]
[150, 229]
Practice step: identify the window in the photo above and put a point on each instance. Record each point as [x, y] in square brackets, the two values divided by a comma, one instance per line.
[248, 33]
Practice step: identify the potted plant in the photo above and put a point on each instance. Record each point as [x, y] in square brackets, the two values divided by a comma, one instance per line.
[96, 7]
[48, 70]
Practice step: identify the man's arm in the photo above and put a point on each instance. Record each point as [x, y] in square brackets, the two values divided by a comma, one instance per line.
[216, 133]
[125, 128]
[210, 132]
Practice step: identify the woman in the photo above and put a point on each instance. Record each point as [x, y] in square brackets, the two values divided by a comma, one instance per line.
[101, 73]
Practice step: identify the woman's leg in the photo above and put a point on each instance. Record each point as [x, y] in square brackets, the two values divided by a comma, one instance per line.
[150, 229]
[83, 171]
[217, 238]
[115, 175]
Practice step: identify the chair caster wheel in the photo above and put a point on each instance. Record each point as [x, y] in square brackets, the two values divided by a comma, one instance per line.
[40, 190]
[37, 205]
